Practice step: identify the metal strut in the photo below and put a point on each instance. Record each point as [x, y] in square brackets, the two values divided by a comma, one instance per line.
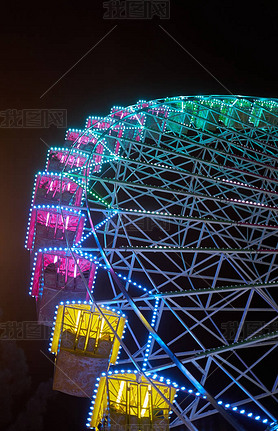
[229, 418]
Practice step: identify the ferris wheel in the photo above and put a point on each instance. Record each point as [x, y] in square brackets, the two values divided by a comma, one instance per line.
[165, 213]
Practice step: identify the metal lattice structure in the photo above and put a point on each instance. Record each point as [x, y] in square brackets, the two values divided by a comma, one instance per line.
[181, 193]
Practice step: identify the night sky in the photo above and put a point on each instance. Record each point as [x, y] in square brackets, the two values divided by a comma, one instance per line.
[219, 48]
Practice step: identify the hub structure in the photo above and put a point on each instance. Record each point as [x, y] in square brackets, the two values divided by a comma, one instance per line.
[167, 211]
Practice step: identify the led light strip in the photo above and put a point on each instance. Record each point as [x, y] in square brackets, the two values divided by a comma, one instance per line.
[232, 407]
[147, 351]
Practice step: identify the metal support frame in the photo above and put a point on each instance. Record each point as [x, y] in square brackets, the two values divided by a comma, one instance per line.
[195, 224]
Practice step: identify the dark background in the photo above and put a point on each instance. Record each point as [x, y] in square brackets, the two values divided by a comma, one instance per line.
[235, 41]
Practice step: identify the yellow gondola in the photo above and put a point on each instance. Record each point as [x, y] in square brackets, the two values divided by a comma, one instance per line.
[127, 400]
[85, 345]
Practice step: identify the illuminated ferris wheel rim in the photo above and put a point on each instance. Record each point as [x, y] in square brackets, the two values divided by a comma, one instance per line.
[270, 107]
[196, 99]
[167, 101]
[264, 104]
[163, 102]
[257, 102]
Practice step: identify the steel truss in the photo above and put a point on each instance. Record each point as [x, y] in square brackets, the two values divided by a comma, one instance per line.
[190, 213]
